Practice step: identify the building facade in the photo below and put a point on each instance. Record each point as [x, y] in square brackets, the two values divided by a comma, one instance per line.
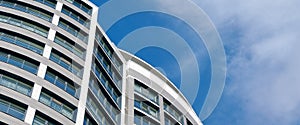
[57, 66]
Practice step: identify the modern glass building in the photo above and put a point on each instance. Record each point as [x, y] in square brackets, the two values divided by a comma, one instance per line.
[58, 67]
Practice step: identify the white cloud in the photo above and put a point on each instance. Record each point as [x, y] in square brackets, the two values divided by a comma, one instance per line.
[265, 66]
[264, 63]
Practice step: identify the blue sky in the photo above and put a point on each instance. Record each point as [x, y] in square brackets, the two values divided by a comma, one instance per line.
[261, 40]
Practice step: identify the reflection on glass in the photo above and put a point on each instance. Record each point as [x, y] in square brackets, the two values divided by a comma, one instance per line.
[106, 84]
[50, 3]
[146, 108]
[112, 57]
[96, 112]
[57, 105]
[104, 62]
[61, 83]
[81, 6]
[18, 62]
[26, 9]
[28, 26]
[142, 120]
[73, 31]
[171, 110]
[66, 64]
[113, 112]
[41, 121]
[76, 17]
[70, 47]
[12, 109]
[146, 92]
[15, 85]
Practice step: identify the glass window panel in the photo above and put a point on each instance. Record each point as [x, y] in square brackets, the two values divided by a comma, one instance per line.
[3, 106]
[56, 105]
[137, 120]
[45, 99]
[137, 104]
[24, 89]
[152, 111]
[60, 83]
[67, 112]
[70, 89]
[17, 111]
[8, 83]
[39, 121]
[145, 122]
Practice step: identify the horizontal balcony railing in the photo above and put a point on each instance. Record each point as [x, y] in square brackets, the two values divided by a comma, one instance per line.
[103, 100]
[106, 84]
[108, 69]
[29, 10]
[57, 106]
[88, 120]
[141, 120]
[24, 25]
[18, 62]
[77, 18]
[94, 109]
[62, 84]
[16, 85]
[69, 47]
[81, 6]
[111, 56]
[49, 3]
[146, 108]
[173, 113]
[147, 93]
[73, 31]
[22, 43]
[41, 121]
[12, 109]
[67, 65]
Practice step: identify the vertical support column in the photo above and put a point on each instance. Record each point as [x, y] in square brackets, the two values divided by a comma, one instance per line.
[59, 5]
[130, 99]
[123, 102]
[161, 110]
[87, 69]
[36, 91]
[30, 112]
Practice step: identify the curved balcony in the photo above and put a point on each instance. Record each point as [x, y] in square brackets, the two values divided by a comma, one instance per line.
[21, 42]
[41, 121]
[105, 83]
[108, 68]
[26, 25]
[18, 62]
[146, 92]
[15, 84]
[12, 109]
[81, 6]
[62, 84]
[139, 119]
[66, 64]
[113, 112]
[146, 108]
[73, 31]
[96, 112]
[69, 46]
[76, 17]
[110, 54]
[27, 9]
[49, 3]
[57, 105]
[168, 108]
